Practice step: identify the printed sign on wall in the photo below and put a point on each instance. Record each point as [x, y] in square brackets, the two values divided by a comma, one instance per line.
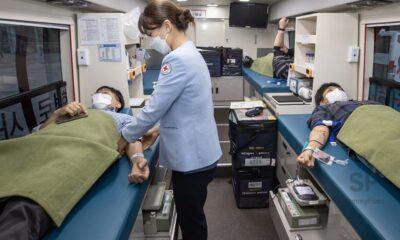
[199, 13]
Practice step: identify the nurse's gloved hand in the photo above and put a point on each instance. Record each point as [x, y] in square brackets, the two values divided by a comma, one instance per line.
[122, 144]
[306, 159]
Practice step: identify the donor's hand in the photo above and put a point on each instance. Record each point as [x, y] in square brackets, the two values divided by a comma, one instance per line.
[305, 159]
[283, 23]
[140, 171]
[72, 109]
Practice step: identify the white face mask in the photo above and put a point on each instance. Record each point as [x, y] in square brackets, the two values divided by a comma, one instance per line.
[336, 96]
[160, 45]
[101, 101]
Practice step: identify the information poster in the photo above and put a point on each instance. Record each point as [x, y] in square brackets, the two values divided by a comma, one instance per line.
[98, 30]
[109, 52]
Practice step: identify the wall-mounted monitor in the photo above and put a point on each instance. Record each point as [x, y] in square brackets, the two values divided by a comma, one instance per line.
[253, 15]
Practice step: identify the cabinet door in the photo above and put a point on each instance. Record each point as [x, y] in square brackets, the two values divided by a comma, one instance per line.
[248, 90]
[282, 153]
[290, 156]
[287, 160]
[228, 88]
[281, 174]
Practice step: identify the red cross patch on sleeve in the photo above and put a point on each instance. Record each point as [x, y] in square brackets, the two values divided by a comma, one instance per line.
[166, 68]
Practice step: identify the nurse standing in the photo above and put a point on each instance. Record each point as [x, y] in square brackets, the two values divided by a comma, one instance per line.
[182, 103]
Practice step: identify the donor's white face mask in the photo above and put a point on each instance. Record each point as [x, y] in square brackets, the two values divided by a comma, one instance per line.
[101, 101]
[336, 96]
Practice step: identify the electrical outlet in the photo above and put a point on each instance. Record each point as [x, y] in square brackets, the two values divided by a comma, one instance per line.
[83, 56]
[352, 54]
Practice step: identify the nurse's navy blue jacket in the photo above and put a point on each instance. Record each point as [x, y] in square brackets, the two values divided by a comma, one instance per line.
[182, 102]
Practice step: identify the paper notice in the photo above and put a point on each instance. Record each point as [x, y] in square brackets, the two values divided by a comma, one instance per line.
[249, 104]
[89, 31]
[109, 30]
[98, 30]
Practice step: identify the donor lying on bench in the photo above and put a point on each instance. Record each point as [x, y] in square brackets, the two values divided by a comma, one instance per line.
[43, 175]
[369, 129]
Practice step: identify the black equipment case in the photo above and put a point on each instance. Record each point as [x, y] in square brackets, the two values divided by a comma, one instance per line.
[253, 151]
[251, 186]
[253, 140]
[232, 61]
[213, 61]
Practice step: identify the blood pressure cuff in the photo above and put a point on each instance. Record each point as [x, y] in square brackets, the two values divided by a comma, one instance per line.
[56, 166]
[373, 132]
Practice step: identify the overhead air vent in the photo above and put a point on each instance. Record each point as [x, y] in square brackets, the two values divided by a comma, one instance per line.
[368, 3]
[70, 3]
[85, 5]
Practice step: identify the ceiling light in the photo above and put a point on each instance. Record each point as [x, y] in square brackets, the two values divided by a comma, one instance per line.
[212, 5]
[70, 3]
[182, 0]
[368, 3]
[244, 0]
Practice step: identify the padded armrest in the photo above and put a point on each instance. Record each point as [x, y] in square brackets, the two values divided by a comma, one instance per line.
[263, 84]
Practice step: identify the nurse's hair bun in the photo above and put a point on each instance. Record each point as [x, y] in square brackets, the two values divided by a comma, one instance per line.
[185, 18]
[157, 11]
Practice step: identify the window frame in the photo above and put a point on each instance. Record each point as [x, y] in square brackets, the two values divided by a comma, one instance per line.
[59, 88]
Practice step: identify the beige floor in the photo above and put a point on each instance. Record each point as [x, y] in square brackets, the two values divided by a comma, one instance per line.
[226, 221]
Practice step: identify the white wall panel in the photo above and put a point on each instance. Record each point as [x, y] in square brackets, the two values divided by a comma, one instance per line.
[210, 33]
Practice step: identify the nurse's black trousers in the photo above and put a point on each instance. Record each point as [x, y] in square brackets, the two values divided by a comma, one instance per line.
[190, 193]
